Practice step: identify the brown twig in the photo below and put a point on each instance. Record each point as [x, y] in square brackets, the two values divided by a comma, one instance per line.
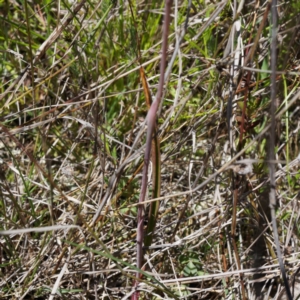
[271, 153]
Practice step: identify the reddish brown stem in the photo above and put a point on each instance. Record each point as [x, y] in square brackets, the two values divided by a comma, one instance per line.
[151, 117]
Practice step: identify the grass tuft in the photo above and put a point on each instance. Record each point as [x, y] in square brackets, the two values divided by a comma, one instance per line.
[76, 81]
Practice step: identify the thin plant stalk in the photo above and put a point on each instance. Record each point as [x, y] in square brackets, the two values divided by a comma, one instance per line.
[271, 154]
[151, 119]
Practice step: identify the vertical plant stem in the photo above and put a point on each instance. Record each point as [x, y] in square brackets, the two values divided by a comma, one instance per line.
[155, 157]
[233, 232]
[151, 118]
[271, 154]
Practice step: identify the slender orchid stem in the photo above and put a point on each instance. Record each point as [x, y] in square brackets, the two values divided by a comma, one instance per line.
[151, 119]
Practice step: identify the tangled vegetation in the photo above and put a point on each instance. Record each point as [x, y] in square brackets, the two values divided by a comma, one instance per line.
[77, 81]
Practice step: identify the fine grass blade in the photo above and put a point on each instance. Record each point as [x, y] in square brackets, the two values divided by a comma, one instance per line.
[155, 157]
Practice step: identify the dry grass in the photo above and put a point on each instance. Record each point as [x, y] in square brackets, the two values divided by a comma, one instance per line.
[72, 142]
